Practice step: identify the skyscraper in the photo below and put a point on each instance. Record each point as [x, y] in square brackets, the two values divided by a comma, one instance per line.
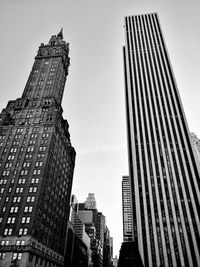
[127, 209]
[95, 226]
[36, 164]
[164, 175]
[90, 202]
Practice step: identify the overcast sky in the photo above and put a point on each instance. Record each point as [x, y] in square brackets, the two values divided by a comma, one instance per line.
[93, 101]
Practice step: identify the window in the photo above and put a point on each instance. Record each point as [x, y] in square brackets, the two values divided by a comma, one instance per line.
[30, 199]
[5, 242]
[35, 129]
[7, 231]
[11, 220]
[19, 190]
[2, 255]
[20, 242]
[25, 219]
[3, 181]
[13, 209]
[2, 190]
[45, 135]
[11, 157]
[21, 181]
[23, 231]
[17, 199]
[8, 165]
[13, 150]
[24, 172]
[36, 172]
[15, 143]
[42, 148]
[26, 164]
[38, 163]
[30, 149]
[28, 209]
[33, 135]
[17, 256]
[40, 156]
[5, 173]
[28, 156]
[33, 189]
[35, 180]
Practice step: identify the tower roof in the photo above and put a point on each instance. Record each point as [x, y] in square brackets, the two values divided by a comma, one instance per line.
[57, 39]
[60, 34]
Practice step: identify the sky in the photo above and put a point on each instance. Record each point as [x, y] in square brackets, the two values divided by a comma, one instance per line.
[93, 101]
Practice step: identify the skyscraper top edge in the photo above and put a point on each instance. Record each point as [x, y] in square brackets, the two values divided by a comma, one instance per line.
[141, 14]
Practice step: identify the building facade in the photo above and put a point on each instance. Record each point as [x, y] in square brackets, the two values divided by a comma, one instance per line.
[164, 175]
[36, 165]
[107, 249]
[101, 243]
[77, 231]
[127, 209]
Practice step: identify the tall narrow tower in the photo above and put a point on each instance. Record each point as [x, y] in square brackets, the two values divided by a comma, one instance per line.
[164, 175]
[127, 209]
[36, 165]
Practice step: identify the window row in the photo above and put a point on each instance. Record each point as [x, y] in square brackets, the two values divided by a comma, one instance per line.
[15, 209]
[22, 231]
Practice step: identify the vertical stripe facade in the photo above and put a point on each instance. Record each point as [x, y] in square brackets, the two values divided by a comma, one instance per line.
[164, 175]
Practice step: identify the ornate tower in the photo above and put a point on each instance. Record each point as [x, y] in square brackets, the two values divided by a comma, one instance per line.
[36, 165]
[48, 76]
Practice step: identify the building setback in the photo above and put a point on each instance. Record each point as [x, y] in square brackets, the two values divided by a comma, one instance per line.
[164, 175]
[36, 165]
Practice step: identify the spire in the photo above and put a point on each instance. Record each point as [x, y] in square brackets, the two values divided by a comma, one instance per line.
[60, 34]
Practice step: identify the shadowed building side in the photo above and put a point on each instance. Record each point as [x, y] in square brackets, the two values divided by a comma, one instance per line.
[129, 255]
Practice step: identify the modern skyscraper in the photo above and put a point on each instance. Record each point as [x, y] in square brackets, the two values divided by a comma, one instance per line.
[162, 168]
[36, 165]
[127, 209]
